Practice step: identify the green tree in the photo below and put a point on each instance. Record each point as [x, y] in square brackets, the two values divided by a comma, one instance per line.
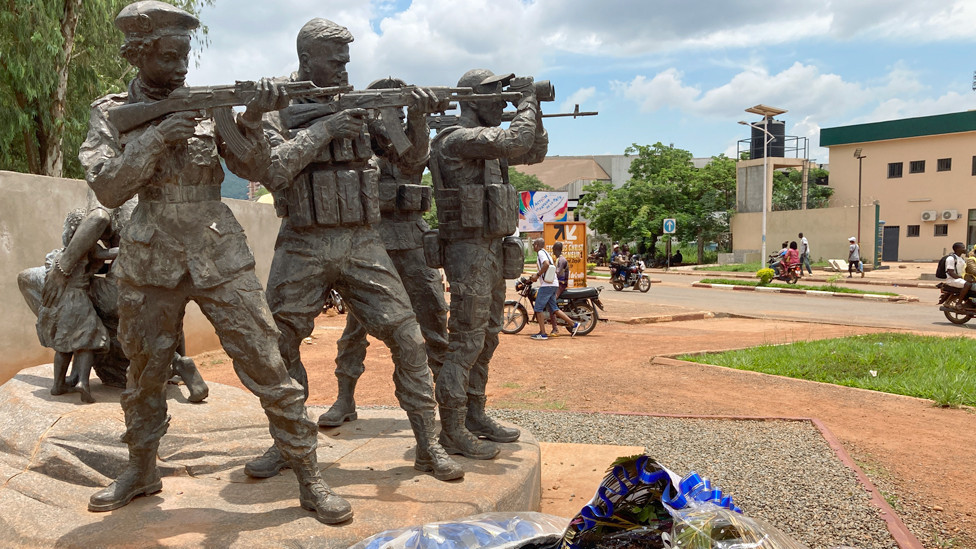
[788, 190]
[57, 57]
[525, 182]
[664, 184]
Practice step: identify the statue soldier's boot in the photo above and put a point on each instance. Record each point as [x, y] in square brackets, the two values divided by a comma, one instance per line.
[344, 408]
[188, 372]
[268, 465]
[456, 439]
[431, 457]
[315, 495]
[140, 478]
[481, 425]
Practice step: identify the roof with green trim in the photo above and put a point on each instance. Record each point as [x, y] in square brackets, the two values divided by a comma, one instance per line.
[938, 124]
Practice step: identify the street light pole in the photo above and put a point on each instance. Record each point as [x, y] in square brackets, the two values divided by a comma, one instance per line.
[769, 139]
[860, 157]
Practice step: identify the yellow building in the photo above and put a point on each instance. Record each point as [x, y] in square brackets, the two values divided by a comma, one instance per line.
[922, 172]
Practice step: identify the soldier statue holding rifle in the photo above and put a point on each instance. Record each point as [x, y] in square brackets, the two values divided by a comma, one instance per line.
[325, 184]
[184, 244]
[476, 209]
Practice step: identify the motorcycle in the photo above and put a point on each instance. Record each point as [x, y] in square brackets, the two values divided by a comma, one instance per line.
[334, 300]
[577, 303]
[789, 275]
[957, 309]
[631, 276]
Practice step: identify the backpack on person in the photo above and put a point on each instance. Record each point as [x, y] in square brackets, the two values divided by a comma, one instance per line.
[940, 271]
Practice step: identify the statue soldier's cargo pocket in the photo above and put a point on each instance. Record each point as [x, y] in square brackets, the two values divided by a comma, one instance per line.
[410, 198]
[432, 250]
[472, 198]
[350, 203]
[324, 193]
[502, 218]
[300, 212]
[513, 257]
[370, 194]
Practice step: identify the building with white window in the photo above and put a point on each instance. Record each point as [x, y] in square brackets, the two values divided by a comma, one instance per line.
[922, 173]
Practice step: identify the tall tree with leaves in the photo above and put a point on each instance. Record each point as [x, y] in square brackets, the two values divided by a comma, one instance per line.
[788, 190]
[56, 57]
[664, 184]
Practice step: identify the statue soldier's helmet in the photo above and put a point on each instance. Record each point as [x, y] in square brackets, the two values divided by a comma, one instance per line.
[476, 78]
[386, 84]
[154, 19]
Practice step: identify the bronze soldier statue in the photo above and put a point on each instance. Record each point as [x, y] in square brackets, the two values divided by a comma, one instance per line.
[403, 201]
[325, 187]
[476, 208]
[183, 244]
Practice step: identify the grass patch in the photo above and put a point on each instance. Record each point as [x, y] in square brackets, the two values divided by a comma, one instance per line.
[939, 369]
[821, 288]
[511, 385]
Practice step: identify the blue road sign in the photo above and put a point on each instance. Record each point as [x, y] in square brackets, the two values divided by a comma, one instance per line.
[669, 226]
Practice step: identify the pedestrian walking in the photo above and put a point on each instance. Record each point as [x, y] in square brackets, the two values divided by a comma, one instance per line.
[805, 254]
[854, 258]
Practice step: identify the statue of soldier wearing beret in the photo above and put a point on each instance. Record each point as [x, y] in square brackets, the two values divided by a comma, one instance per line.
[183, 244]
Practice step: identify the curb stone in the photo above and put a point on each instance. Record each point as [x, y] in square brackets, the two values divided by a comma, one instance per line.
[870, 297]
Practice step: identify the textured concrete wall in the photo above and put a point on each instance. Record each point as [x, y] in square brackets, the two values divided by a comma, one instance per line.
[827, 230]
[31, 217]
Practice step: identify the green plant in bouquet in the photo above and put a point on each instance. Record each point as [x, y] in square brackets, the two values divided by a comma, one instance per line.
[765, 276]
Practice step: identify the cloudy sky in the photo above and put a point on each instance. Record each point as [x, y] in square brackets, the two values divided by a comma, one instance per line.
[676, 71]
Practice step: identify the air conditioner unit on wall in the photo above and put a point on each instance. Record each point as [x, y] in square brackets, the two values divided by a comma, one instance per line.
[929, 215]
[950, 215]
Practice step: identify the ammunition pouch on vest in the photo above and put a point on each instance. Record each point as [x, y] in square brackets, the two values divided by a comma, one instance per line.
[513, 257]
[403, 197]
[329, 197]
[432, 250]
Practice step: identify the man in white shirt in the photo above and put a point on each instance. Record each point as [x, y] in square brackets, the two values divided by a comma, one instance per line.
[805, 254]
[546, 296]
[956, 266]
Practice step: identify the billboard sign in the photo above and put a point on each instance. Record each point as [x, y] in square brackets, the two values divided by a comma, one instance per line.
[573, 236]
[539, 207]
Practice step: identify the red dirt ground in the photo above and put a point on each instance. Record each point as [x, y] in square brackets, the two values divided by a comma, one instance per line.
[906, 445]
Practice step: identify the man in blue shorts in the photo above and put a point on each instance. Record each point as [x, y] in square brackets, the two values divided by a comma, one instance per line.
[546, 297]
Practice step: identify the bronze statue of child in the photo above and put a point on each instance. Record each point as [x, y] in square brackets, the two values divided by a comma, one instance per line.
[70, 325]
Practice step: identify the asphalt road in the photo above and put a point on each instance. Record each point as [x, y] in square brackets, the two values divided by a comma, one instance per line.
[676, 291]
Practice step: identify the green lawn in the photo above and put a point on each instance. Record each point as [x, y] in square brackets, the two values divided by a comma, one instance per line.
[940, 369]
[822, 288]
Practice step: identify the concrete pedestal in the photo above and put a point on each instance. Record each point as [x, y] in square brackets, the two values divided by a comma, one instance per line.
[56, 452]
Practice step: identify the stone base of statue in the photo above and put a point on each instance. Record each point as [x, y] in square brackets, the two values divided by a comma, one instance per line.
[56, 452]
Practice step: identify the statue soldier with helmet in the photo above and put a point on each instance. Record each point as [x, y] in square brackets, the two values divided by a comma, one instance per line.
[476, 209]
[325, 185]
[182, 243]
[403, 201]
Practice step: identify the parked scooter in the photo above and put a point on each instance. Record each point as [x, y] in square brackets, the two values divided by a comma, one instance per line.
[632, 276]
[957, 309]
[334, 300]
[579, 304]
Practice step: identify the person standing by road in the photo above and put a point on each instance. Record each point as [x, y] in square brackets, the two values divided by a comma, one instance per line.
[805, 253]
[562, 278]
[547, 291]
[854, 258]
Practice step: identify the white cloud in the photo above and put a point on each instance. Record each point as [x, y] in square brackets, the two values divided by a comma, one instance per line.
[578, 97]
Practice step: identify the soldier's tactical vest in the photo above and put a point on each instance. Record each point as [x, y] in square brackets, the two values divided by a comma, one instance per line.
[339, 189]
[488, 210]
